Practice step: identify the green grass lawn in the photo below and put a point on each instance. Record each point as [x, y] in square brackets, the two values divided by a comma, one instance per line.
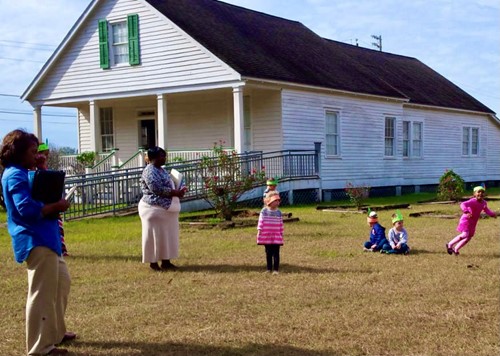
[331, 298]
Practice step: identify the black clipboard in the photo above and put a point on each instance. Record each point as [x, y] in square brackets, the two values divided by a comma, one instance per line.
[48, 186]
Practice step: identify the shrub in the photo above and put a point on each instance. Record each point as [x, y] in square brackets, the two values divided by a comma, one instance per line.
[226, 179]
[87, 158]
[451, 186]
[357, 194]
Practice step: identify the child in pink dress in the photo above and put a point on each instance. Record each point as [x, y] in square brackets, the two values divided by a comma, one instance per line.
[270, 231]
[472, 209]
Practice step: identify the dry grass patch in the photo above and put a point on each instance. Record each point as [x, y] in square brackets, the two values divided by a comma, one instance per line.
[330, 298]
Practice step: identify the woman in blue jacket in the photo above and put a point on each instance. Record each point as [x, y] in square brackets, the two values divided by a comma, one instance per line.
[36, 241]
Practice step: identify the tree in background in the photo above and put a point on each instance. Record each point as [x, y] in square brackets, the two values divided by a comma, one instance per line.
[357, 194]
[451, 186]
[226, 179]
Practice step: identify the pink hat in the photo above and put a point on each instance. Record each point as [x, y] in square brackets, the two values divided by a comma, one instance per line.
[272, 196]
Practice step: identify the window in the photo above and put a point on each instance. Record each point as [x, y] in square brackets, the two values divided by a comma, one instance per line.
[412, 139]
[470, 141]
[417, 140]
[107, 138]
[332, 136]
[119, 42]
[389, 136]
[406, 139]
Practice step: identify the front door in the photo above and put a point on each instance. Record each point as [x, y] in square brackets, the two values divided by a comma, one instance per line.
[147, 136]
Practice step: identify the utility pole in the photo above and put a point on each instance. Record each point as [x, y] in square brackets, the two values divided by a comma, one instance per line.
[377, 44]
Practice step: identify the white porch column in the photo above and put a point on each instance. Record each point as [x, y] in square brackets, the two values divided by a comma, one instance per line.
[161, 100]
[37, 122]
[238, 118]
[94, 125]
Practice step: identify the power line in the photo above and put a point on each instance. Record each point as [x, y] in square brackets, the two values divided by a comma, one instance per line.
[33, 48]
[18, 112]
[10, 95]
[45, 122]
[22, 60]
[29, 43]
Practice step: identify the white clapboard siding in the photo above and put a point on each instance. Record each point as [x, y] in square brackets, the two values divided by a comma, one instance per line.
[84, 137]
[266, 120]
[169, 58]
[198, 120]
[362, 123]
[493, 150]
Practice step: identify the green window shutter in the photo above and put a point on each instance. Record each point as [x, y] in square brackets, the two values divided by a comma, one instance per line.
[103, 44]
[133, 39]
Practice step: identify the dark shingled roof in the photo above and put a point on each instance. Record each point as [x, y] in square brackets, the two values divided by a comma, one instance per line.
[262, 46]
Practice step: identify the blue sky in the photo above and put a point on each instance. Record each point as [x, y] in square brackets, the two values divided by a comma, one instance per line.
[460, 39]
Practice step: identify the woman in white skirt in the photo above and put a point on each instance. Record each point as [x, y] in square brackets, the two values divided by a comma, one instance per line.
[159, 211]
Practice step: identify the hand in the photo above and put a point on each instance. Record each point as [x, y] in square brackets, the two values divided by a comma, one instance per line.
[374, 246]
[62, 205]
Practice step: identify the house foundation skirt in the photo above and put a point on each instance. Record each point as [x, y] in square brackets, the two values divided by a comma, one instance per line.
[160, 231]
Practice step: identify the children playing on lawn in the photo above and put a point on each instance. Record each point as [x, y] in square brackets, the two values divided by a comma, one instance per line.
[270, 231]
[377, 241]
[472, 209]
[398, 236]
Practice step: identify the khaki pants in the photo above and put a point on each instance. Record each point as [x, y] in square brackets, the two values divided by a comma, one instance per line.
[48, 290]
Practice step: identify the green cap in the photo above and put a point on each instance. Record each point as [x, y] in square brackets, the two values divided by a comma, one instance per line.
[397, 217]
[43, 147]
[272, 181]
[478, 188]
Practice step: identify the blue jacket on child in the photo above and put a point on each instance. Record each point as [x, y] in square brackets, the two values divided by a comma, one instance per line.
[377, 237]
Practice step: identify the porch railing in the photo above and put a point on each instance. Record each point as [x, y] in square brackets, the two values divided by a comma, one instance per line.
[99, 193]
[137, 160]
[106, 163]
[71, 166]
[174, 156]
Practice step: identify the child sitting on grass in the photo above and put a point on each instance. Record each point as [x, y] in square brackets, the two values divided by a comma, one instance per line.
[377, 240]
[398, 236]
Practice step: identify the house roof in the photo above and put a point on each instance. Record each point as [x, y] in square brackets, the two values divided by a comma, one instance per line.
[262, 46]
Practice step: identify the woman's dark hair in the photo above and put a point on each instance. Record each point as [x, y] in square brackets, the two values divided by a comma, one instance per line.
[15, 145]
[155, 152]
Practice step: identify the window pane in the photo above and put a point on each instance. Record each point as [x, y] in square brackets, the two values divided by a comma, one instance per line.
[331, 123]
[465, 141]
[475, 141]
[106, 118]
[120, 42]
[417, 139]
[332, 133]
[389, 136]
[120, 32]
[406, 139]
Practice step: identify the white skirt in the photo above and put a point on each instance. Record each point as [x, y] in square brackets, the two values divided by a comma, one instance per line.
[160, 231]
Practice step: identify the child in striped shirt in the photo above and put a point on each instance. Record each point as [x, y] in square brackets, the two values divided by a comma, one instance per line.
[270, 231]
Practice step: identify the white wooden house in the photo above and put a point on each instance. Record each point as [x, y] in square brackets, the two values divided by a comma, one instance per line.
[183, 74]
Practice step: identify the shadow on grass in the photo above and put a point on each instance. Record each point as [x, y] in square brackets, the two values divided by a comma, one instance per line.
[223, 268]
[284, 268]
[178, 349]
[131, 258]
[494, 255]
[415, 251]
